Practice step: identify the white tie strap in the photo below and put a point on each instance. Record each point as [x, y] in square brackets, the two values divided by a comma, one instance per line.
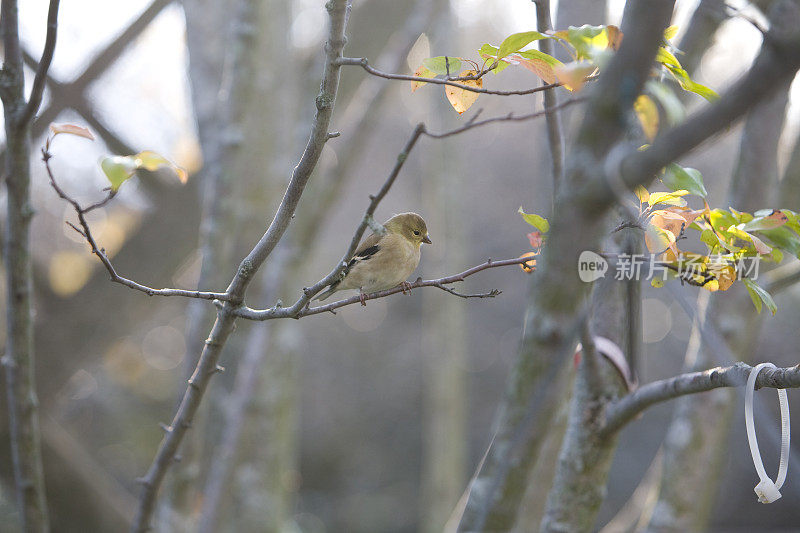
[767, 490]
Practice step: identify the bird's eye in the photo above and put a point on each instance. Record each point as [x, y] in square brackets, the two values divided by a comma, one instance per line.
[416, 232]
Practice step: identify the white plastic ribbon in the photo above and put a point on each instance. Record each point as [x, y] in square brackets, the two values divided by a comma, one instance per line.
[767, 490]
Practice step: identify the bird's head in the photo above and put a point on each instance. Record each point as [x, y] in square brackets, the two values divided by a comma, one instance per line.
[409, 225]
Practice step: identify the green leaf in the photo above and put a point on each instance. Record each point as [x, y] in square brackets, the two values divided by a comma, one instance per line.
[118, 169]
[710, 239]
[677, 177]
[516, 41]
[758, 293]
[672, 105]
[657, 282]
[753, 296]
[688, 84]
[792, 220]
[489, 52]
[665, 57]
[536, 221]
[783, 238]
[721, 218]
[669, 198]
[439, 65]
[760, 223]
[536, 54]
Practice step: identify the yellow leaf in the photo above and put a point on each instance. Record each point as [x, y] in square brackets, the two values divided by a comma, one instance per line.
[573, 75]
[462, 99]
[528, 266]
[670, 32]
[72, 129]
[642, 194]
[647, 112]
[659, 240]
[151, 161]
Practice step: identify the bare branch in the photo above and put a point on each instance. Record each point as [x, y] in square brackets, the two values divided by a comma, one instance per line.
[628, 407]
[364, 63]
[44, 65]
[338, 11]
[555, 137]
[100, 252]
[310, 292]
[289, 312]
[778, 62]
[511, 117]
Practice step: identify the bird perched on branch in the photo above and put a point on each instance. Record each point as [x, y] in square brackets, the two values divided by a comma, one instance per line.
[384, 261]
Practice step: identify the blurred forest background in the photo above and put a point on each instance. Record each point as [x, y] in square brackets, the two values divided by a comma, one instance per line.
[370, 420]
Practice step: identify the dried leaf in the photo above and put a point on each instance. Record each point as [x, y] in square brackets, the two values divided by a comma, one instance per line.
[611, 351]
[71, 129]
[536, 239]
[462, 99]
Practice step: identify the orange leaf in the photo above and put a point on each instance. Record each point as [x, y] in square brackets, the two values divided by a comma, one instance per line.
[614, 37]
[540, 67]
[528, 266]
[462, 99]
[725, 275]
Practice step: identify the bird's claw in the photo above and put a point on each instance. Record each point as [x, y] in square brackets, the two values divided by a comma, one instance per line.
[406, 288]
[363, 298]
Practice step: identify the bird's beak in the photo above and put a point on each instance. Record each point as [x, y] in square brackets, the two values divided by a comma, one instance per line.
[427, 240]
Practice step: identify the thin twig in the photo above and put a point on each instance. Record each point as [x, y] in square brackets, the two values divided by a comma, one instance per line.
[310, 292]
[86, 232]
[511, 117]
[289, 312]
[555, 137]
[364, 63]
[44, 64]
[628, 407]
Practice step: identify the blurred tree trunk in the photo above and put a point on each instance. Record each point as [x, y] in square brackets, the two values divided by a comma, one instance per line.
[569, 13]
[444, 328]
[262, 487]
[226, 78]
[692, 466]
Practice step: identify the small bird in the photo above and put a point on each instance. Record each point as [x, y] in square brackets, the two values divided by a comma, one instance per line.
[384, 261]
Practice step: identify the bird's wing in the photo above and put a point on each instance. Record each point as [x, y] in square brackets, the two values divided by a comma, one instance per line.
[366, 250]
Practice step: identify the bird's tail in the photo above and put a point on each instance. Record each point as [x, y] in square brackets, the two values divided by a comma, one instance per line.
[326, 294]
